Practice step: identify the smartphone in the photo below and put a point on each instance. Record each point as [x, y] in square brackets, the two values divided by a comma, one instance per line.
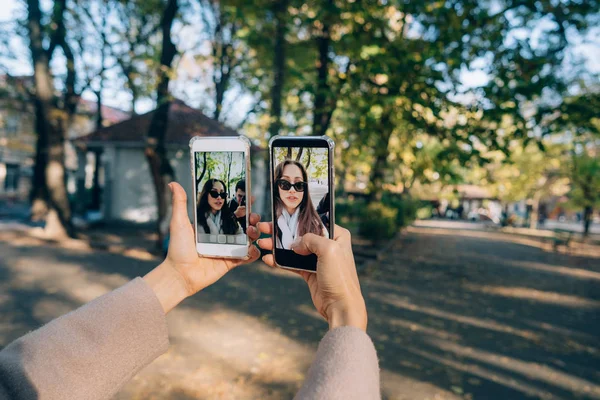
[243, 201]
[218, 164]
[301, 172]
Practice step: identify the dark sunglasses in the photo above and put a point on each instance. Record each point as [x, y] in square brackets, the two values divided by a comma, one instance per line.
[214, 194]
[285, 185]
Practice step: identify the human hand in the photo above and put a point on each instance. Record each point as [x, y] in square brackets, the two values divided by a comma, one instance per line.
[183, 272]
[334, 289]
[240, 212]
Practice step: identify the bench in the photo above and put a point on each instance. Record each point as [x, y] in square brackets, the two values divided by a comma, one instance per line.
[561, 237]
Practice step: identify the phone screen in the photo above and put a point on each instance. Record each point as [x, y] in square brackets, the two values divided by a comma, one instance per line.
[302, 197]
[220, 187]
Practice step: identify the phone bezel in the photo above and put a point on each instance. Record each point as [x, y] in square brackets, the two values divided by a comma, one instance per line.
[303, 141]
[220, 144]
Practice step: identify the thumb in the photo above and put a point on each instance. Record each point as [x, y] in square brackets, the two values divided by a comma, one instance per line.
[179, 199]
[310, 244]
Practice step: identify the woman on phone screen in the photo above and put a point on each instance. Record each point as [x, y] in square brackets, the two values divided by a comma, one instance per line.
[295, 213]
[214, 215]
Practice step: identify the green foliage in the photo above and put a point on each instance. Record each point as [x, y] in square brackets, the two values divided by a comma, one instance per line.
[378, 221]
[424, 212]
[585, 173]
[406, 208]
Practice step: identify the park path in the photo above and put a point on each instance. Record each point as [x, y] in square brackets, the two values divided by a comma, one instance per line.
[453, 314]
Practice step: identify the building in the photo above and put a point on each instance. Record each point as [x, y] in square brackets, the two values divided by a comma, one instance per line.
[114, 170]
[18, 136]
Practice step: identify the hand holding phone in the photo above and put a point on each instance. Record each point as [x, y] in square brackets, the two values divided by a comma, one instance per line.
[188, 273]
[221, 171]
[335, 289]
[301, 180]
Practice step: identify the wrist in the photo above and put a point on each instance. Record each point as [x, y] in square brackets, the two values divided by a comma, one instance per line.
[168, 285]
[348, 315]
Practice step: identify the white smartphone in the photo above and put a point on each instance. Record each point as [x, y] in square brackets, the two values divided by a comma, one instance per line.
[221, 180]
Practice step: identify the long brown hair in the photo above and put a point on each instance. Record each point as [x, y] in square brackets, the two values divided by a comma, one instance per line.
[308, 220]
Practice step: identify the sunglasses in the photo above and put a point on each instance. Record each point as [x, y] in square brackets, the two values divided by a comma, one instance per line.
[214, 194]
[285, 185]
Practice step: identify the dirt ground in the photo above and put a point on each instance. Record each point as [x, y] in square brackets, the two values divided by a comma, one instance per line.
[453, 313]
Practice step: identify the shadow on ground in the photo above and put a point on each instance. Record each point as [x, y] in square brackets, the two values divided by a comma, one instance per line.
[476, 317]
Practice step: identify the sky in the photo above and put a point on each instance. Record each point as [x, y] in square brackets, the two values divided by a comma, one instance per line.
[191, 84]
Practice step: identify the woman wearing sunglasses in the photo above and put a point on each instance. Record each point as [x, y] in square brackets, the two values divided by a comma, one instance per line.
[295, 213]
[214, 215]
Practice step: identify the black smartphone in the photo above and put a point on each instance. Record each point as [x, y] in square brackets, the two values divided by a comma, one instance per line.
[243, 203]
[302, 195]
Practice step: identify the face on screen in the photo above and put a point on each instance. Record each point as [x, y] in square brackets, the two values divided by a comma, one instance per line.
[300, 197]
[220, 180]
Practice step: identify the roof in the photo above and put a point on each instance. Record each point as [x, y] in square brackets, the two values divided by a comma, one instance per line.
[184, 123]
[110, 115]
[473, 192]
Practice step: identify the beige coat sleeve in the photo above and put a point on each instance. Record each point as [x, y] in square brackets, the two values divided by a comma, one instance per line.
[345, 367]
[89, 353]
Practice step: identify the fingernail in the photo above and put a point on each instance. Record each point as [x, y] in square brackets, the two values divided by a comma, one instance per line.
[170, 187]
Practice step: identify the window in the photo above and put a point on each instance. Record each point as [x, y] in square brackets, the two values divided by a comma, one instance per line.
[11, 182]
[12, 125]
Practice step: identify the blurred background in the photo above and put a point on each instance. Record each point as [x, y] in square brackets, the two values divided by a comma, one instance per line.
[467, 169]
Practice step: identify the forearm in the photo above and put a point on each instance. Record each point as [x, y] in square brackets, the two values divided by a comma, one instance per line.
[168, 285]
[345, 367]
[91, 352]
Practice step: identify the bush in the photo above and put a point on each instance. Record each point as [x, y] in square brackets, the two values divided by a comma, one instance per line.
[407, 208]
[378, 221]
[347, 213]
[424, 212]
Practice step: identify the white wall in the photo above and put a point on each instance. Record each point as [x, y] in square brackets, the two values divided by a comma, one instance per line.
[132, 196]
[131, 193]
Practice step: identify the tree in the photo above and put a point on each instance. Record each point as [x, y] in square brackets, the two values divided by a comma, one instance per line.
[135, 44]
[576, 121]
[585, 178]
[53, 116]
[156, 153]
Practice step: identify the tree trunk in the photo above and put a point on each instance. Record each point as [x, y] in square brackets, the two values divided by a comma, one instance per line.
[51, 125]
[156, 153]
[280, 12]
[96, 193]
[588, 213]
[39, 191]
[323, 107]
[199, 179]
[535, 212]
[381, 155]
[99, 116]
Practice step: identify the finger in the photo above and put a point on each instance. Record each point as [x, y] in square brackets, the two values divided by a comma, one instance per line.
[305, 275]
[254, 218]
[266, 243]
[179, 199]
[268, 259]
[311, 243]
[252, 199]
[340, 233]
[253, 233]
[265, 227]
[253, 255]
